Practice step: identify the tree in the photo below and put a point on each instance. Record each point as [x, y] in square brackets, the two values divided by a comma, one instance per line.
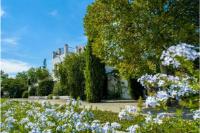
[39, 77]
[14, 87]
[59, 90]
[70, 74]
[130, 34]
[3, 75]
[45, 87]
[94, 76]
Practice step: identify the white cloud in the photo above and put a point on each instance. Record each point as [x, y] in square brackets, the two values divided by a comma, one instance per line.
[2, 12]
[12, 66]
[10, 40]
[54, 13]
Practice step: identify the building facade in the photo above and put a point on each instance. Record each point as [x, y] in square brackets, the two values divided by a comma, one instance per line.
[117, 86]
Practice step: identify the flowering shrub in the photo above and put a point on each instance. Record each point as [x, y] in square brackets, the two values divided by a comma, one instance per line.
[163, 87]
[188, 52]
[43, 117]
[162, 122]
[127, 113]
[196, 115]
[170, 86]
[46, 118]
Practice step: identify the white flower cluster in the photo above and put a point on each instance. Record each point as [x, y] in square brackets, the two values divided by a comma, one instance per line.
[43, 118]
[127, 113]
[158, 119]
[174, 87]
[158, 80]
[150, 119]
[184, 50]
[196, 114]
[153, 101]
[133, 128]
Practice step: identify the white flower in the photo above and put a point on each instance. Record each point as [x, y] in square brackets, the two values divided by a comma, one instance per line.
[35, 130]
[196, 114]
[151, 101]
[184, 50]
[164, 115]
[131, 109]
[161, 83]
[173, 93]
[79, 126]
[123, 114]
[10, 119]
[47, 131]
[148, 118]
[107, 128]
[132, 129]
[95, 126]
[115, 125]
[162, 96]
[24, 120]
[157, 120]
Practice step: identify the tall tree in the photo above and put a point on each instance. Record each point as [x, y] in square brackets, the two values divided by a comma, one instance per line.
[94, 75]
[131, 34]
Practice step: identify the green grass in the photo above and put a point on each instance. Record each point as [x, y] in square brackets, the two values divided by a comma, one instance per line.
[107, 116]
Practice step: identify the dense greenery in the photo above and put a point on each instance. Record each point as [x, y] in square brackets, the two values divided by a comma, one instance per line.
[45, 87]
[11, 87]
[35, 81]
[131, 34]
[59, 90]
[70, 75]
[94, 75]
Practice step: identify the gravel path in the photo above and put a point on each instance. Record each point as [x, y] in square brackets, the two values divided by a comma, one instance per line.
[108, 105]
[114, 106]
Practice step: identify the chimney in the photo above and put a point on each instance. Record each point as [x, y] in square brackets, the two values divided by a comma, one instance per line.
[59, 51]
[65, 49]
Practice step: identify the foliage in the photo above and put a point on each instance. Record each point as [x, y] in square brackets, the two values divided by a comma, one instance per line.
[59, 90]
[71, 75]
[171, 125]
[45, 87]
[179, 86]
[14, 87]
[3, 75]
[33, 91]
[50, 96]
[26, 81]
[25, 94]
[130, 35]
[94, 76]
[40, 81]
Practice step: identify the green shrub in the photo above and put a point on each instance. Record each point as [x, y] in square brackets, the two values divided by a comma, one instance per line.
[56, 97]
[50, 96]
[59, 90]
[25, 94]
[33, 91]
[45, 87]
[71, 76]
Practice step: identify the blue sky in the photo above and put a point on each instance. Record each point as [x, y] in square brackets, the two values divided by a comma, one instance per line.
[32, 29]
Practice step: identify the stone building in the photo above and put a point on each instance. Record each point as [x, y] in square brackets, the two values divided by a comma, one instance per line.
[117, 86]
